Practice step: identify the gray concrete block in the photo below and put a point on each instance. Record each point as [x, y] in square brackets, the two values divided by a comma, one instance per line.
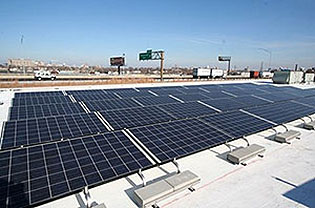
[183, 180]
[287, 136]
[245, 153]
[152, 192]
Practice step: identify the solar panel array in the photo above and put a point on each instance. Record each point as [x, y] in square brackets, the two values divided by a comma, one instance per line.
[178, 138]
[46, 171]
[33, 131]
[56, 143]
[37, 111]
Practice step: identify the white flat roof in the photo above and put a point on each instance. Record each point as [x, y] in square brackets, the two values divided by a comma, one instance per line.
[283, 178]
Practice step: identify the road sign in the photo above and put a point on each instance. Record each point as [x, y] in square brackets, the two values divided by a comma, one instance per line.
[145, 56]
[224, 58]
[117, 61]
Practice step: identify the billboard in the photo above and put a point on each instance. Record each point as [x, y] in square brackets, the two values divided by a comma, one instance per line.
[224, 58]
[117, 61]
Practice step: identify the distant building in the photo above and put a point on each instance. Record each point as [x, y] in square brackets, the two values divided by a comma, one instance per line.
[21, 62]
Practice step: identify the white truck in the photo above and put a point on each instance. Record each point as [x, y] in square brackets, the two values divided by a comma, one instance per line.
[40, 75]
[217, 73]
[207, 73]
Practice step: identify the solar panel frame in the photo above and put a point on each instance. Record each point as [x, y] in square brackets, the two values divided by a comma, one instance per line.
[237, 123]
[37, 111]
[225, 104]
[34, 131]
[104, 105]
[155, 100]
[187, 110]
[50, 171]
[191, 97]
[127, 118]
[282, 112]
[179, 138]
[40, 100]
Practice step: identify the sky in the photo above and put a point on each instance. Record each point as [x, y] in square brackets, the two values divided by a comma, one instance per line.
[192, 33]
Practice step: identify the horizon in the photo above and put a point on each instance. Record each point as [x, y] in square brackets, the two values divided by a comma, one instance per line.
[192, 34]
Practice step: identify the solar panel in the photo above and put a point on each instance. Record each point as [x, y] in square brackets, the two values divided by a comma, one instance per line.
[251, 101]
[178, 138]
[37, 111]
[33, 175]
[129, 94]
[85, 92]
[215, 94]
[110, 104]
[155, 100]
[187, 110]
[237, 123]
[307, 101]
[125, 118]
[166, 91]
[282, 112]
[40, 100]
[224, 104]
[192, 97]
[34, 131]
[277, 97]
[194, 90]
[93, 96]
[37, 94]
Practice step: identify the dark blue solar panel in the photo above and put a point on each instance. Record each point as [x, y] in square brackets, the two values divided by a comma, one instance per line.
[125, 118]
[307, 101]
[38, 94]
[187, 110]
[33, 175]
[111, 104]
[225, 104]
[40, 100]
[277, 97]
[216, 94]
[237, 123]
[282, 112]
[134, 93]
[95, 96]
[192, 97]
[178, 138]
[37, 111]
[34, 131]
[166, 91]
[251, 101]
[155, 100]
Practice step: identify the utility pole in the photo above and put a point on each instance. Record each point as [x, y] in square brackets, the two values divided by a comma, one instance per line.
[162, 63]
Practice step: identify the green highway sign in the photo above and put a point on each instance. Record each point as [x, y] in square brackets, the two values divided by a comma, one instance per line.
[145, 56]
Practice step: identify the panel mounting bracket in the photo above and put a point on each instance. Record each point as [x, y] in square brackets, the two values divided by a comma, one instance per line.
[87, 196]
[144, 182]
[229, 146]
[176, 164]
[286, 128]
[244, 138]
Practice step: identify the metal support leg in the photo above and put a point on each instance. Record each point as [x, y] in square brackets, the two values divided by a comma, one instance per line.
[177, 165]
[310, 117]
[303, 120]
[274, 130]
[246, 141]
[286, 128]
[144, 182]
[87, 196]
[229, 146]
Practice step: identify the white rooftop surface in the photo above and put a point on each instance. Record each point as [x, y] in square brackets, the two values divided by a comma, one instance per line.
[285, 177]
